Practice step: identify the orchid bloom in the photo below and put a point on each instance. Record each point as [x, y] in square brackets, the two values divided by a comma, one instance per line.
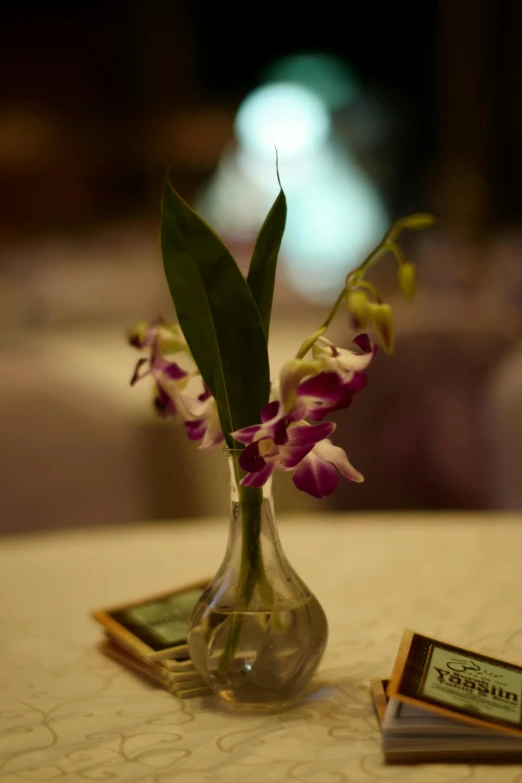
[285, 440]
[315, 388]
[171, 381]
[342, 361]
[162, 338]
[282, 443]
[278, 442]
[206, 427]
[199, 413]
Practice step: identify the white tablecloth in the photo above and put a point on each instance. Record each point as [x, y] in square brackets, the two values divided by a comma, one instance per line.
[67, 713]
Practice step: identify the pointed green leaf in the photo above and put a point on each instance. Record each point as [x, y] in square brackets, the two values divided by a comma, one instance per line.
[261, 274]
[217, 313]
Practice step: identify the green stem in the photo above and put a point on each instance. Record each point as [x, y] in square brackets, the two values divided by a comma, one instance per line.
[382, 248]
[397, 252]
[308, 343]
[251, 567]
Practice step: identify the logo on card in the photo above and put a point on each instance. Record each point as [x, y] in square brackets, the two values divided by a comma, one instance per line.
[468, 683]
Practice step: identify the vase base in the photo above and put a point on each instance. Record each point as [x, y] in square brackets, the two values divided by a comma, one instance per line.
[259, 660]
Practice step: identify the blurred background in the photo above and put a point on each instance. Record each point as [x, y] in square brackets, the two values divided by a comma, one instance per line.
[379, 108]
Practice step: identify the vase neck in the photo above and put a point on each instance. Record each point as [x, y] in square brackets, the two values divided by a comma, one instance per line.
[254, 561]
[251, 508]
[236, 474]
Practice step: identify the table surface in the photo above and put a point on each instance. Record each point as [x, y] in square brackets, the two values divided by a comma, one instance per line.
[68, 713]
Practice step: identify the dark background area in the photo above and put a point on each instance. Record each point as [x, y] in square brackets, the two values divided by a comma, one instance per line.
[103, 73]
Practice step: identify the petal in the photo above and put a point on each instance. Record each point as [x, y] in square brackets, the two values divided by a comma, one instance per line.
[299, 411]
[280, 432]
[164, 404]
[349, 361]
[213, 438]
[136, 374]
[357, 384]
[270, 411]
[337, 456]
[250, 459]
[259, 478]
[205, 395]
[213, 434]
[324, 387]
[307, 434]
[316, 476]
[247, 434]
[292, 373]
[362, 341]
[195, 429]
[267, 448]
[170, 370]
[318, 414]
[188, 406]
[291, 456]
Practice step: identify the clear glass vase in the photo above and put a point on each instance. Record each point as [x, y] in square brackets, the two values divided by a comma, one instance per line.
[257, 633]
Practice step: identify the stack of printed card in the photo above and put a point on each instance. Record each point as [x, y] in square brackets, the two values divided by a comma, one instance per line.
[149, 637]
[445, 703]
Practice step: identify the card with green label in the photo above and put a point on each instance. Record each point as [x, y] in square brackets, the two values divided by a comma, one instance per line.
[449, 704]
[156, 627]
[458, 683]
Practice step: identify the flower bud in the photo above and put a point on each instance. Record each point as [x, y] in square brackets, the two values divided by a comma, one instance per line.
[170, 339]
[418, 221]
[358, 307]
[138, 334]
[407, 274]
[382, 319]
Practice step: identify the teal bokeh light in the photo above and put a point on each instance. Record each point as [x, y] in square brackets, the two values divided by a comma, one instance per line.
[327, 76]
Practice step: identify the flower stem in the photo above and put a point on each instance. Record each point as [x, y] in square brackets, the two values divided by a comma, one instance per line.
[251, 567]
[382, 248]
[308, 343]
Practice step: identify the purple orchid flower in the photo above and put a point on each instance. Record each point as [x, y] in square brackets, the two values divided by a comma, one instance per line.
[285, 440]
[199, 413]
[171, 381]
[277, 443]
[314, 389]
[282, 444]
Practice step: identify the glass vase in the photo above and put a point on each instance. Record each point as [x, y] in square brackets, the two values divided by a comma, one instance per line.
[257, 633]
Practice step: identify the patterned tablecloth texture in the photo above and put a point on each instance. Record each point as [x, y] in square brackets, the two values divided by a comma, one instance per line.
[68, 713]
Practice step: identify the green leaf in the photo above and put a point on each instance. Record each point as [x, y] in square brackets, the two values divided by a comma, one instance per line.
[261, 274]
[217, 313]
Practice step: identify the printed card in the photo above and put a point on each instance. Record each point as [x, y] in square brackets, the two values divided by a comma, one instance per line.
[154, 628]
[457, 683]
